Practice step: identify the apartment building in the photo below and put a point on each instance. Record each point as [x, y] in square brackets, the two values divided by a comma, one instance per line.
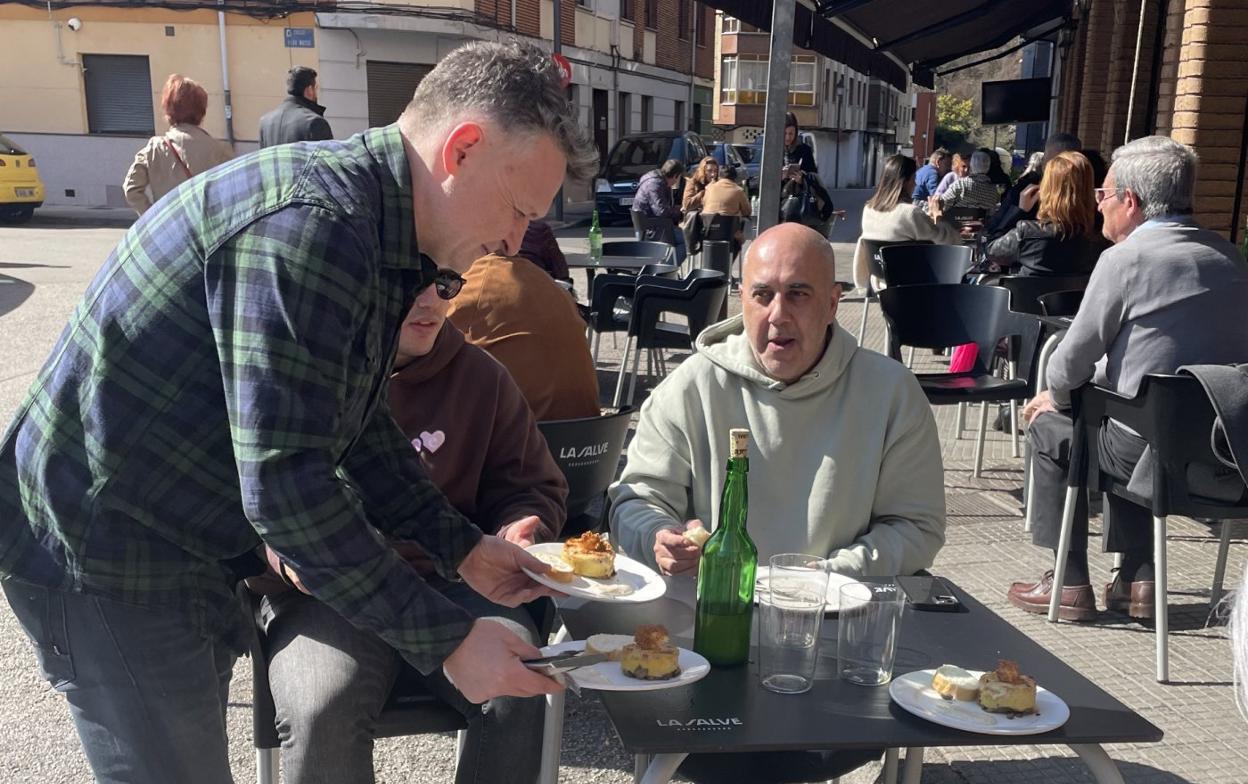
[855, 120]
[83, 97]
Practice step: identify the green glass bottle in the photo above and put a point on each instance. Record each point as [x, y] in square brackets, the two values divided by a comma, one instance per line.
[595, 238]
[726, 575]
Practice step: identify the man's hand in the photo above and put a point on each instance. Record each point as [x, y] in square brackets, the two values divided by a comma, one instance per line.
[1037, 406]
[493, 569]
[935, 208]
[1029, 198]
[487, 665]
[674, 553]
[522, 532]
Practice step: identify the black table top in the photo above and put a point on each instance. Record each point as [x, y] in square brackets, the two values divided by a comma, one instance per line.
[582, 261]
[729, 710]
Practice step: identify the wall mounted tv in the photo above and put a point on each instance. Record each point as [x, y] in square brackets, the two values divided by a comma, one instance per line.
[1016, 101]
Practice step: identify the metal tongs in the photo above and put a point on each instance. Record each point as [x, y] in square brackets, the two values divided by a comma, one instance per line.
[557, 666]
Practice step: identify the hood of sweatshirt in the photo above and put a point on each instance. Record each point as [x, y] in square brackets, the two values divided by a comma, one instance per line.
[448, 343]
[725, 345]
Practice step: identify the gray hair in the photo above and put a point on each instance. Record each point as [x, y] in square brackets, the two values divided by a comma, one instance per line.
[1159, 171]
[981, 162]
[515, 85]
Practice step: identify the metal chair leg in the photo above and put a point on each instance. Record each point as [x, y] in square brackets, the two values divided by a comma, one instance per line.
[889, 774]
[619, 383]
[268, 766]
[862, 326]
[632, 382]
[1013, 414]
[1161, 617]
[912, 770]
[961, 423]
[597, 343]
[910, 358]
[1028, 505]
[1219, 567]
[979, 443]
[1063, 547]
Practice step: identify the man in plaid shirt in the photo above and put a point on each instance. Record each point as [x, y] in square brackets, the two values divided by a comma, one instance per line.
[222, 385]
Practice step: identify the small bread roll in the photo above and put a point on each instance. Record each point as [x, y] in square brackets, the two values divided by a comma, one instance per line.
[560, 572]
[698, 535]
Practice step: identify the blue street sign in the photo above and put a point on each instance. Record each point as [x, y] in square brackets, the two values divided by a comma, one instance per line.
[299, 38]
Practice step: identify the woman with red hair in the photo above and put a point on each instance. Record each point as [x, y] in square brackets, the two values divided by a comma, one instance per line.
[185, 150]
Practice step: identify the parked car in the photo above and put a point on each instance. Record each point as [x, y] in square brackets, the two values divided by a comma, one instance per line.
[21, 190]
[751, 156]
[728, 155]
[634, 155]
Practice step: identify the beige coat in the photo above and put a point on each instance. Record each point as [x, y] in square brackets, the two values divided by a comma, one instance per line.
[156, 170]
[725, 197]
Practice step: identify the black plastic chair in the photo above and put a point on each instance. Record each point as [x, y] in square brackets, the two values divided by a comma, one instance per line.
[587, 450]
[648, 227]
[915, 265]
[699, 298]
[1173, 414]
[611, 298]
[661, 252]
[944, 316]
[1061, 303]
[411, 708]
[875, 268]
[965, 214]
[719, 233]
[1026, 290]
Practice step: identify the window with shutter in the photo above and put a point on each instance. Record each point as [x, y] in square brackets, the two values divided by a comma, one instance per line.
[119, 94]
[390, 89]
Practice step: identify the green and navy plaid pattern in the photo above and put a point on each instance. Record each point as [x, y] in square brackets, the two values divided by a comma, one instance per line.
[224, 380]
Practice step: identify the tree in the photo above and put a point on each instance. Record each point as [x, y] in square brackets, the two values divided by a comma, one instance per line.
[955, 120]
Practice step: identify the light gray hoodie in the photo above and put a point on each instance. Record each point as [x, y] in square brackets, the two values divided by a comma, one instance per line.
[844, 462]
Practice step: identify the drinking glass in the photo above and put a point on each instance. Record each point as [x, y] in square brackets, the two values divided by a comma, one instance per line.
[867, 632]
[792, 612]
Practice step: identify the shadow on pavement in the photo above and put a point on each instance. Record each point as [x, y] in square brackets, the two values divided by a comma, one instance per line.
[13, 292]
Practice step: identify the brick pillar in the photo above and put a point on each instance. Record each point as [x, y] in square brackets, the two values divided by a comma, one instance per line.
[1169, 74]
[1072, 79]
[1208, 113]
[1092, 90]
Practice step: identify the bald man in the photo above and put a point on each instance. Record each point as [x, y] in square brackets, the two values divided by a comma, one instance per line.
[844, 460]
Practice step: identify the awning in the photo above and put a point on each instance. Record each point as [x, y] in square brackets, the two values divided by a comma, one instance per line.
[921, 34]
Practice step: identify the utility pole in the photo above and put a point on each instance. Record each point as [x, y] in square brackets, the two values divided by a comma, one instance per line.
[778, 64]
[558, 49]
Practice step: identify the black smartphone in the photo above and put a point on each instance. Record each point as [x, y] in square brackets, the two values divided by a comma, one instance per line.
[933, 594]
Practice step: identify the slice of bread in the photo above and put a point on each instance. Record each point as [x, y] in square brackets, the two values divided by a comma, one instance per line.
[954, 683]
[697, 535]
[610, 644]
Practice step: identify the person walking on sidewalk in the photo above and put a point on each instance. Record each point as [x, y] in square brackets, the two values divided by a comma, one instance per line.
[299, 118]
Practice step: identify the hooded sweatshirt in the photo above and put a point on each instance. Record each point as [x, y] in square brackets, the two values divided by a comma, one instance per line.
[844, 462]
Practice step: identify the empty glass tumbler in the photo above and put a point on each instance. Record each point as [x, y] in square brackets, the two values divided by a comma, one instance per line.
[870, 614]
[792, 613]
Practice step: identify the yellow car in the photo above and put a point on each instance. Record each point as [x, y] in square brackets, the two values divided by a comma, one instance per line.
[21, 190]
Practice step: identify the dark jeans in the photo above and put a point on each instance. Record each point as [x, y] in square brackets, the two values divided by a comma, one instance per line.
[147, 693]
[330, 681]
[1128, 527]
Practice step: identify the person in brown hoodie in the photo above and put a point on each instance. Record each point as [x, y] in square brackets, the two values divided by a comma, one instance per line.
[480, 443]
[512, 309]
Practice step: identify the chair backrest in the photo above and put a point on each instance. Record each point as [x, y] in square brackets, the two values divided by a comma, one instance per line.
[716, 256]
[659, 251]
[1026, 290]
[588, 451]
[719, 228]
[875, 264]
[961, 214]
[648, 227]
[660, 271]
[699, 300]
[947, 315]
[1174, 415]
[909, 265]
[1061, 303]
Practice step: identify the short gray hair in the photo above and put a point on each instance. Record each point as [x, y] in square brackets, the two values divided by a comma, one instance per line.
[514, 84]
[981, 162]
[1160, 172]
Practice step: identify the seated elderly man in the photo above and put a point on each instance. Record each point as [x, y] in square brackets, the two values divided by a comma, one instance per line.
[845, 462]
[477, 438]
[1168, 293]
[974, 191]
[513, 310]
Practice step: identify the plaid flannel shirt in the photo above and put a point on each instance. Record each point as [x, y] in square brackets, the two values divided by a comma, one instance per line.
[223, 382]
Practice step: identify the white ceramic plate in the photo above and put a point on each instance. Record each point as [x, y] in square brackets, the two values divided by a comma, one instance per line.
[835, 581]
[633, 581]
[608, 676]
[913, 692]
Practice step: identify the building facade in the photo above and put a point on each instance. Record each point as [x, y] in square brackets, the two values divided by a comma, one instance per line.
[854, 120]
[82, 98]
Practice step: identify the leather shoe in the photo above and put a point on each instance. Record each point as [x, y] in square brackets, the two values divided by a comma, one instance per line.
[1135, 598]
[1077, 603]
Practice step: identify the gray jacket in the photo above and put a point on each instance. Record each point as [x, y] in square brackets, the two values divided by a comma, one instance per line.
[1170, 294]
[296, 119]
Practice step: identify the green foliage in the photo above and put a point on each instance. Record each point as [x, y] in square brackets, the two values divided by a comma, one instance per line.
[955, 116]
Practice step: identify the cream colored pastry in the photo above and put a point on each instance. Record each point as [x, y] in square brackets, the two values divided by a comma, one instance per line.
[954, 683]
[610, 644]
[590, 555]
[1005, 690]
[651, 657]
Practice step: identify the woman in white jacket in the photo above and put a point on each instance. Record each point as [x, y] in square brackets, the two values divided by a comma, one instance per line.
[889, 216]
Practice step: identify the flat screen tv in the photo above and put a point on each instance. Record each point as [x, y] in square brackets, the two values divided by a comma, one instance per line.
[1016, 101]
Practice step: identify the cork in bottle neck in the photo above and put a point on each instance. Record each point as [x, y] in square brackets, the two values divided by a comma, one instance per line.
[738, 442]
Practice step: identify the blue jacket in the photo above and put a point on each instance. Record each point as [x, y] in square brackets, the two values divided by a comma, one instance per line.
[926, 180]
[654, 197]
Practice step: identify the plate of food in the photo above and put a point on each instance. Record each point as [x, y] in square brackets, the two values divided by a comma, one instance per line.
[647, 661]
[832, 602]
[588, 566]
[1000, 702]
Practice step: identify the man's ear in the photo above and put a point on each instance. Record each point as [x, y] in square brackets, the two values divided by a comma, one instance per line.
[464, 140]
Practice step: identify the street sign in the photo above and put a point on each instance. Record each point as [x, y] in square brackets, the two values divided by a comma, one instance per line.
[299, 37]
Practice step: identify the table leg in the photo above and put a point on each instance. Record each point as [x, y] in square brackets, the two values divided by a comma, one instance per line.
[889, 775]
[662, 767]
[1102, 767]
[912, 772]
[552, 739]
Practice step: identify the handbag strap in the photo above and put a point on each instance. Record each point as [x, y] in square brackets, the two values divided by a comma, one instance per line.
[174, 152]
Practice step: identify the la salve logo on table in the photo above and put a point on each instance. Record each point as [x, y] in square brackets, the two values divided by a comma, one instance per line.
[694, 725]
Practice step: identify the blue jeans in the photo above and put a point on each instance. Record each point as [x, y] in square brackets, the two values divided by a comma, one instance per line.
[330, 680]
[147, 692]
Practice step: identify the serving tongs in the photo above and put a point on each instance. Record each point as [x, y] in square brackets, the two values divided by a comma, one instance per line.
[557, 666]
